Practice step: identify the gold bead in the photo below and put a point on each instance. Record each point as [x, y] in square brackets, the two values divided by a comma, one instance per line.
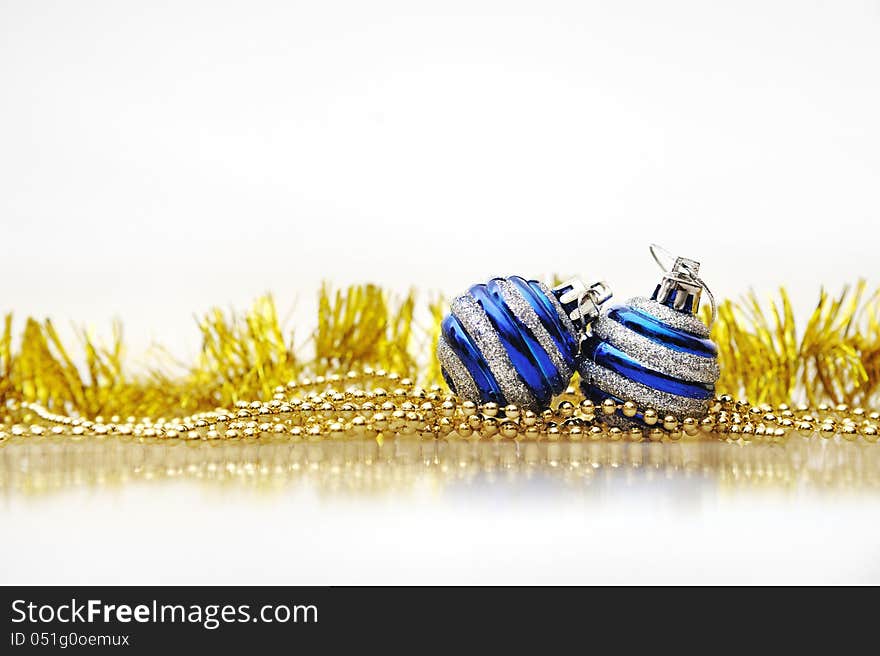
[587, 407]
[490, 409]
[690, 426]
[566, 408]
[827, 430]
[670, 423]
[531, 432]
[870, 433]
[468, 408]
[464, 430]
[651, 416]
[609, 407]
[655, 434]
[509, 429]
[380, 421]
[707, 424]
[529, 418]
[804, 428]
[511, 412]
[444, 426]
[489, 427]
[629, 409]
[635, 434]
[614, 433]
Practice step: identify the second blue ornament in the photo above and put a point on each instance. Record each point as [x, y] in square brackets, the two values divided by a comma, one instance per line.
[655, 351]
[516, 341]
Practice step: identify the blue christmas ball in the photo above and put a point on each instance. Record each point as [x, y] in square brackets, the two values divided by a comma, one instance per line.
[656, 354]
[510, 340]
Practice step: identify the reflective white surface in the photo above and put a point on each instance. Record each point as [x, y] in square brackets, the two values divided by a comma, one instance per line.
[437, 513]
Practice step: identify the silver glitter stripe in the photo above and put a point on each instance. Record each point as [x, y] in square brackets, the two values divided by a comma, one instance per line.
[679, 320]
[643, 396]
[475, 321]
[685, 366]
[464, 383]
[527, 316]
[566, 321]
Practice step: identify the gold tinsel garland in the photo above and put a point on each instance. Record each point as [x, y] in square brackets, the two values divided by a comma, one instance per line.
[762, 353]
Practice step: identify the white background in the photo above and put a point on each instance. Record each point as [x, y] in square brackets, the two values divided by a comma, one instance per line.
[160, 158]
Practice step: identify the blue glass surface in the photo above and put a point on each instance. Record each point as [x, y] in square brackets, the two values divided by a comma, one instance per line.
[605, 355]
[518, 344]
[546, 311]
[548, 369]
[654, 329]
[472, 359]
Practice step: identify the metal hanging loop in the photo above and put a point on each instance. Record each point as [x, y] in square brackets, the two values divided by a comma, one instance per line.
[686, 268]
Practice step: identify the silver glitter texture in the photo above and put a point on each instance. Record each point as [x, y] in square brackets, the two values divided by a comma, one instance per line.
[643, 396]
[461, 377]
[566, 321]
[474, 320]
[526, 315]
[678, 320]
[684, 366]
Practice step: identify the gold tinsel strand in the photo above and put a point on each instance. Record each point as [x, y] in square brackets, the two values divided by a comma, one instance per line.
[763, 355]
[836, 359]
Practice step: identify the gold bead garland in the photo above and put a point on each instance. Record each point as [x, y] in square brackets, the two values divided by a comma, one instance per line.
[377, 404]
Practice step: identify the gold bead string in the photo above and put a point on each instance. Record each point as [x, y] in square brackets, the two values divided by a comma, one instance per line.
[377, 404]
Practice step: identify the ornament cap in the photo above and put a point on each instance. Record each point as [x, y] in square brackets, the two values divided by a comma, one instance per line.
[580, 302]
[681, 286]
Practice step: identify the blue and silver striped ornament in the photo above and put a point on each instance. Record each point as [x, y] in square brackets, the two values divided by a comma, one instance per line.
[654, 351]
[514, 340]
